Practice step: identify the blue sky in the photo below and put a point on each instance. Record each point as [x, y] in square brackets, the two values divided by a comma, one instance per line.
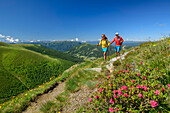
[85, 19]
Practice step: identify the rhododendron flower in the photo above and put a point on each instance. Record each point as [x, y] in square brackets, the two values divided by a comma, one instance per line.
[153, 103]
[145, 88]
[127, 70]
[115, 96]
[138, 74]
[90, 99]
[118, 72]
[156, 68]
[117, 109]
[121, 70]
[132, 87]
[129, 80]
[97, 96]
[159, 85]
[112, 101]
[120, 93]
[111, 109]
[144, 77]
[97, 85]
[127, 65]
[114, 91]
[126, 95]
[100, 90]
[138, 86]
[156, 92]
[108, 77]
[168, 85]
[140, 95]
[111, 84]
[124, 87]
[133, 81]
[141, 62]
[123, 79]
[162, 89]
[96, 108]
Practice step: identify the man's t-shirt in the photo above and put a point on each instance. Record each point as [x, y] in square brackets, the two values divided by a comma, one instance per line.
[118, 41]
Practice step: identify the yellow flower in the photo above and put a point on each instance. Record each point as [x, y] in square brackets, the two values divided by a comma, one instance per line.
[25, 94]
[154, 45]
[145, 51]
[31, 90]
[162, 39]
[0, 107]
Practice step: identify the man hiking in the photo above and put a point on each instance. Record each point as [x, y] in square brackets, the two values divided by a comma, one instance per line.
[105, 44]
[118, 41]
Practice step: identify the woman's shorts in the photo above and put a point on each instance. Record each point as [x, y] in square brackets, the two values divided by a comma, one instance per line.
[117, 48]
[104, 49]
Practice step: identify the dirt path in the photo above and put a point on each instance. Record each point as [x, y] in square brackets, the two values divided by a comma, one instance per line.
[50, 96]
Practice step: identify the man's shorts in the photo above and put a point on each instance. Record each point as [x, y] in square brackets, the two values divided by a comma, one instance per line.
[104, 49]
[117, 48]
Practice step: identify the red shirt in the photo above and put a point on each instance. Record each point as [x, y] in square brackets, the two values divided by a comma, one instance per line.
[117, 41]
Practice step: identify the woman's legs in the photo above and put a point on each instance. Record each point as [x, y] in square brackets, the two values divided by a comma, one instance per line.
[104, 53]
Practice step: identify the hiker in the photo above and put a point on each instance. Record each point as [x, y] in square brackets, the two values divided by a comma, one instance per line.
[118, 41]
[105, 44]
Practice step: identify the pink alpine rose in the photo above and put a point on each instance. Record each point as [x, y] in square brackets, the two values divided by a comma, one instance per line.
[111, 109]
[112, 101]
[156, 92]
[97, 96]
[145, 88]
[153, 103]
[90, 99]
[120, 92]
[115, 96]
[138, 74]
[141, 62]
[138, 86]
[140, 95]
[114, 91]
[144, 78]
[126, 95]
[133, 81]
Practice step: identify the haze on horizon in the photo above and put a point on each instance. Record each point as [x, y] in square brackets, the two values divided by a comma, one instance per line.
[85, 19]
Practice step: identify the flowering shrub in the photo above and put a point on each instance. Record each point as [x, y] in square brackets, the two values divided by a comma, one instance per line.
[129, 92]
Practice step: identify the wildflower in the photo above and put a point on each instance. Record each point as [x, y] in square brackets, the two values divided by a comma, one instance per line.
[123, 79]
[100, 90]
[140, 95]
[127, 65]
[144, 77]
[0, 107]
[97, 85]
[132, 87]
[120, 93]
[108, 77]
[127, 70]
[145, 88]
[162, 89]
[141, 62]
[154, 45]
[126, 95]
[111, 84]
[145, 51]
[112, 101]
[90, 99]
[96, 108]
[156, 92]
[111, 109]
[153, 103]
[133, 81]
[114, 91]
[25, 94]
[168, 85]
[156, 68]
[97, 96]
[162, 39]
[138, 86]
[115, 96]
[117, 109]
[129, 80]
[138, 74]
[124, 87]
[121, 70]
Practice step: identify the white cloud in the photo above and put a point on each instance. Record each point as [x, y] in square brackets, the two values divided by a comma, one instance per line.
[8, 36]
[77, 39]
[16, 40]
[1, 36]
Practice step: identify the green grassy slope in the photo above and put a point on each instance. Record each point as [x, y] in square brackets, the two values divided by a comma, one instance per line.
[88, 51]
[22, 69]
[50, 52]
[59, 45]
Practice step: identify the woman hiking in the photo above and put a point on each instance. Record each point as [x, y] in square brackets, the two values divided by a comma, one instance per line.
[105, 44]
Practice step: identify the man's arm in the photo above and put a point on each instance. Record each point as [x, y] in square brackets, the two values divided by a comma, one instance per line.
[113, 40]
[121, 39]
